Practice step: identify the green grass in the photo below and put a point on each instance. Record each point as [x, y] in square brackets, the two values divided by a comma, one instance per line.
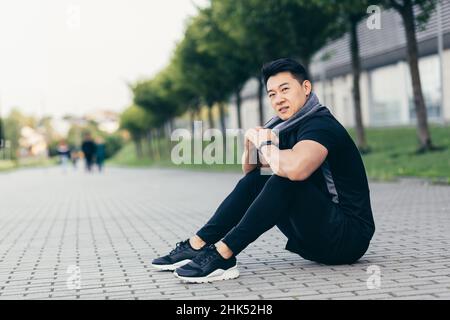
[127, 157]
[7, 165]
[36, 162]
[393, 154]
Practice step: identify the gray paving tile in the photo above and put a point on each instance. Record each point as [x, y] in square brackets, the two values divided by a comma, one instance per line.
[112, 225]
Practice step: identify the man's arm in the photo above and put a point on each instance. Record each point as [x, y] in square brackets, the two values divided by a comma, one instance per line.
[248, 164]
[250, 160]
[298, 163]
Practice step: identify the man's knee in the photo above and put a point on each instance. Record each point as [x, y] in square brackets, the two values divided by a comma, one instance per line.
[252, 177]
[279, 181]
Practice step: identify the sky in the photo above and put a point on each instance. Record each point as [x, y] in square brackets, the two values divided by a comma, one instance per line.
[61, 57]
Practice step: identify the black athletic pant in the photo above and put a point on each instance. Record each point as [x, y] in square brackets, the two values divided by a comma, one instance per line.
[89, 162]
[314, 225]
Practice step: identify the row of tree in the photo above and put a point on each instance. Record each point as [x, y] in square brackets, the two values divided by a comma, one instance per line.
[11, 130]
[227, 42]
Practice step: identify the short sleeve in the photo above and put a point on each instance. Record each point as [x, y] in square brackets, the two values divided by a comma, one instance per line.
[321, 132]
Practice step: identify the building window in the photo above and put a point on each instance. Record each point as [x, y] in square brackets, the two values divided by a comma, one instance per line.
[385, 108]
[429, 77]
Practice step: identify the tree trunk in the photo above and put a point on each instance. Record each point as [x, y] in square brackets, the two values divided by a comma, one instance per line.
[238, 107]
[210, 117]
[157, 142]
[161, 139]
[149, 138]
[356, 71]
[222, 118]
[2, 139]
[261, 101]
[171, 126]
[222, 124]
[153, 143]
[138, 145]
[192, 120]
[423, 132]
[163, 130]
[169, 129]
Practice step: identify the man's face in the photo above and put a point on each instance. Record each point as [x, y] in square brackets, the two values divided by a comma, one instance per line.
[286, 94]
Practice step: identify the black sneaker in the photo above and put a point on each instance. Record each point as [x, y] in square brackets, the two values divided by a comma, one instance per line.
[208, 266]
[181, 255]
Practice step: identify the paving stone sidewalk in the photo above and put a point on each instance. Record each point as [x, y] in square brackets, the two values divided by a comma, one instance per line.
[80, 236]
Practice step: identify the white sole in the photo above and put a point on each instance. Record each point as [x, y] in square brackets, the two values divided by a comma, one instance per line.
[217, 275]
[170, 267]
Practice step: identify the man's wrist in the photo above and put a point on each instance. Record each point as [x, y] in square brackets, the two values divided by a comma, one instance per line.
[264, 143]
[267, 143]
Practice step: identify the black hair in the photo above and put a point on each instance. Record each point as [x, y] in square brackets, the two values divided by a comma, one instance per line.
[282, 65]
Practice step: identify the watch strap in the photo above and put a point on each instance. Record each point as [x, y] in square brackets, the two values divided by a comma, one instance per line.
[265, 143]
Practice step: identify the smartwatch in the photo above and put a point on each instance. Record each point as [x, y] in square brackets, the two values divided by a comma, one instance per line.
[264, 143]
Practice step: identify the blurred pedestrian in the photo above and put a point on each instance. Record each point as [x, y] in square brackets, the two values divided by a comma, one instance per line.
[100, 154]
[63, 153]
[89, 149]
[74, 157]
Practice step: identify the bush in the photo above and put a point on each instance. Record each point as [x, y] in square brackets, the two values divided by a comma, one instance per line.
[113, 143]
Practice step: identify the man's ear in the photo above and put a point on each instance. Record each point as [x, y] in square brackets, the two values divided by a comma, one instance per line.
[308, 87]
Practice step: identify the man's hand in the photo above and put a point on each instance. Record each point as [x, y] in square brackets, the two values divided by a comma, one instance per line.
[258, 134]
[255, 136]
[249, 160]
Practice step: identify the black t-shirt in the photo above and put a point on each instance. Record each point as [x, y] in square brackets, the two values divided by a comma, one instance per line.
[344, 162]
[89, 148]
